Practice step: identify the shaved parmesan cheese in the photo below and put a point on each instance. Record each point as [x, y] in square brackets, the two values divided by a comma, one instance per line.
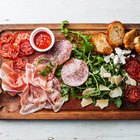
[86, 102]
[88, 91]
[116, 92]
[115, 79]
[130, 81]
[107, 75]
[103, 88]
[104, 73]
[102, 103]
[116, 60]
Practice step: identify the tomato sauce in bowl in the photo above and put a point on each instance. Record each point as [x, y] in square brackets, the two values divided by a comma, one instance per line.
[42, 40]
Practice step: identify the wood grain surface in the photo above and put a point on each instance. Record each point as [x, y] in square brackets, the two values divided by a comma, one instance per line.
[71, 109]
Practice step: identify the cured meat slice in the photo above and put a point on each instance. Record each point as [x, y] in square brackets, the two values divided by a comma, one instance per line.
[55, 100]
[6, 67]
[44, 60]
[61, 51]
[13, 83]
[32, 99]
[54, 97]
[74, 72]
[33, 77]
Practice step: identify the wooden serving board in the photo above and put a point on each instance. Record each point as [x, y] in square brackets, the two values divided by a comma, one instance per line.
[71, 109]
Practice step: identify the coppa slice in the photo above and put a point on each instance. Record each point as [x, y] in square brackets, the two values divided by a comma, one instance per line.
[61, 51]
[75, 72]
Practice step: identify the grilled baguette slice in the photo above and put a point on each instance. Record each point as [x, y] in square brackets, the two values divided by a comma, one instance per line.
[115, 33]
[101, 45]
[137, 44]
[129, 39]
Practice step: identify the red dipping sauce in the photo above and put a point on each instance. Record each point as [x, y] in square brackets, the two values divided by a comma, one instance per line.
[42, 40]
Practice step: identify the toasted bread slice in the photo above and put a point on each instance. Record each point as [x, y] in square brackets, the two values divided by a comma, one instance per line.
[129, 39]
[115, 33]
[137, 44]
[101, 45]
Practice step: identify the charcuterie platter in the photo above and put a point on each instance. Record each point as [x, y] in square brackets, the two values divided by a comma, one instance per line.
[70, 71]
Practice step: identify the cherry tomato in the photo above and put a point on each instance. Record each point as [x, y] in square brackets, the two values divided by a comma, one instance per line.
[20, 36]
[7, 38]
[133, 94]
[25, 48]
[20, 63]
[9, 51]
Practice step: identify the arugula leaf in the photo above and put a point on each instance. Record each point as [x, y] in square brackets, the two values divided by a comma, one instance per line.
[118, 102]
[83, 49]
[86, 45]
[47, 69]
[40, 60]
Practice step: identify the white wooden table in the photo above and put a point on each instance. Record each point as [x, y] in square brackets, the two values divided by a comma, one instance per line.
[54, 11]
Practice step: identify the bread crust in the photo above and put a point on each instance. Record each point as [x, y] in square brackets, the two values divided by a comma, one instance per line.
[129, 39]
[101, 45]
[115, 33]
[137, 44]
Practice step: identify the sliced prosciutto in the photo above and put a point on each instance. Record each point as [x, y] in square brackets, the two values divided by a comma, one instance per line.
[74, 72]
[40, 93]
[13, 83]
[54, 97]
[6, 67]
[32, 99]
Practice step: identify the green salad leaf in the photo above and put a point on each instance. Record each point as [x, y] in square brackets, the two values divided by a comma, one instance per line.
[83, 49]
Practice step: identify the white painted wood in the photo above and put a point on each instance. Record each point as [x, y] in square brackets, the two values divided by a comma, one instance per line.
[54, 11]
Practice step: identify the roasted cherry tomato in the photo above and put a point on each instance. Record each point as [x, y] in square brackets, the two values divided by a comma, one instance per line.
[25, 48]
[9, 51]
[20, 63]
[20, 36]
[133, 94]
[7, 38]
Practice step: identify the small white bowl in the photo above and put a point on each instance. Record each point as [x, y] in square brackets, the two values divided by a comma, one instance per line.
[41, 29]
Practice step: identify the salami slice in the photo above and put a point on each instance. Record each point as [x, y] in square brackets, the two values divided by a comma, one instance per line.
[43, 59]
[74, 72]
[61, 51]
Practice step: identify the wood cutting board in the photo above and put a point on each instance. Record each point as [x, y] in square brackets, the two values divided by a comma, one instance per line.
[71, 109]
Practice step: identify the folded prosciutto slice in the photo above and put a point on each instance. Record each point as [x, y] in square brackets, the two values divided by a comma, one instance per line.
[54, 97]
[6, 67]
[32, 99]
[40, 93]
[13, 83]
